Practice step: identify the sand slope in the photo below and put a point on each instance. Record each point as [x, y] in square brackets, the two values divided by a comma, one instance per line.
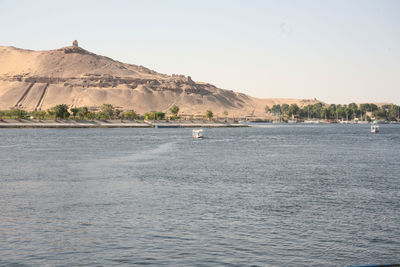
[35, 80]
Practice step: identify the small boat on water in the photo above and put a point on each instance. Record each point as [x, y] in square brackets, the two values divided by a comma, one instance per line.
[374, 128]
[311, 121]
[167, 126]
[197, 133]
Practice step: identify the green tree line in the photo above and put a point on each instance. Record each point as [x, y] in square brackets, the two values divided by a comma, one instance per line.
[366, 111]
[106, 112]
[62, 111]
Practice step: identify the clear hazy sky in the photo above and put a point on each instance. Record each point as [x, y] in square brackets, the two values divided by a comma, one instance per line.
[335, 51]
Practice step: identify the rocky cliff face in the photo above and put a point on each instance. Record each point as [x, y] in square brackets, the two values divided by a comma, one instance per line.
[35, 80]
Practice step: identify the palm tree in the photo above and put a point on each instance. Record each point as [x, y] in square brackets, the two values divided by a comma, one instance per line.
[174, 110]
[209, 114]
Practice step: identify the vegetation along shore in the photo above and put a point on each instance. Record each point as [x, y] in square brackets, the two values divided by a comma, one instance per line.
[107, 116]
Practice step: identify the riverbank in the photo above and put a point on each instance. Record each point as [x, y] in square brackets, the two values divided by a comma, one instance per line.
[9, 123]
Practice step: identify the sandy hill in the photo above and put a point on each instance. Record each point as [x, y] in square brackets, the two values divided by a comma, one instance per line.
[35, 80]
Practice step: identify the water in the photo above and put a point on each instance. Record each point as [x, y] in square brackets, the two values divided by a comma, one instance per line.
[289, 195]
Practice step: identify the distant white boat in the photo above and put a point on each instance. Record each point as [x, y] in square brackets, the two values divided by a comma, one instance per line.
[374, 128]
[311, 121]
[197, 133]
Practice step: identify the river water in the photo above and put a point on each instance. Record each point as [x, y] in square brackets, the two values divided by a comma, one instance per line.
[275, 195]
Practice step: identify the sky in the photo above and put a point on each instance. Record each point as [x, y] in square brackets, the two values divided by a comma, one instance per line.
[337, 51]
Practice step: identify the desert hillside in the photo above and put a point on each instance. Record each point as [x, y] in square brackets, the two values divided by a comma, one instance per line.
[38, 80]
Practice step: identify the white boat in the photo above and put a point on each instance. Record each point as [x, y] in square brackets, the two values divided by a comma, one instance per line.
[374, 129]
[311, 121]
[197, 133]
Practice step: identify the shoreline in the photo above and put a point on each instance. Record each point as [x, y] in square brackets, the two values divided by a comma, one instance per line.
[10, 123]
